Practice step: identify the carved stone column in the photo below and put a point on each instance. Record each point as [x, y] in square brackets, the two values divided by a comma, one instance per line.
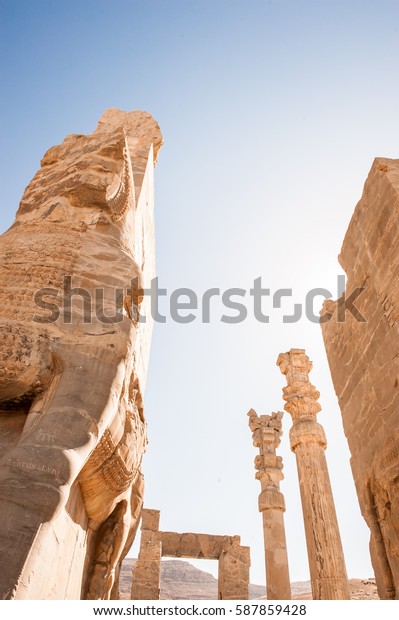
[308, 441]
[266, 433]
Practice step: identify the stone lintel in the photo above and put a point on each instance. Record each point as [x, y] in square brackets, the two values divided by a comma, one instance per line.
[189, 545]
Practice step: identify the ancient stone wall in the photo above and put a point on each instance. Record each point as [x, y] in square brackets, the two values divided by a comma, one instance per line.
[362, 348]
[73, 362]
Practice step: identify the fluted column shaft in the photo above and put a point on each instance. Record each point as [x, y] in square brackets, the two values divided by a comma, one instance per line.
[326, 558]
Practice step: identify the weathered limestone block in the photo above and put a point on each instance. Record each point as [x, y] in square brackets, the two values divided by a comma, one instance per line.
[233, 578]
[326, 558]
[266, 434]
[362, 350]
[146, 584]
[189, 545]
[73, 361]
[150, 519]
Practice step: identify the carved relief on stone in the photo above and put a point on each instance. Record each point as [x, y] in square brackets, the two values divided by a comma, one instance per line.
[73, 361]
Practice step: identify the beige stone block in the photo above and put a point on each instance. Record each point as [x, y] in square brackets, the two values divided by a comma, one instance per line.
[150, 519]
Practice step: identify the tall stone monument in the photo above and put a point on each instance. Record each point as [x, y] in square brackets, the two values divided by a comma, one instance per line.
[308, 441]
[361, 336]
[266, 434]
[73, 362]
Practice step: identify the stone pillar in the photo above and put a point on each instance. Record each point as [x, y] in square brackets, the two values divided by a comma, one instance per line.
[308, 441]
[266, 433]
[234, 564]
[146, 584]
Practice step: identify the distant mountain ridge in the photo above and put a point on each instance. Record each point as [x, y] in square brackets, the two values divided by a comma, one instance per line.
[181, 581]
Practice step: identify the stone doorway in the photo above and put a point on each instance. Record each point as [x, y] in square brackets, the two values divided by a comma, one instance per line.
[233, 559]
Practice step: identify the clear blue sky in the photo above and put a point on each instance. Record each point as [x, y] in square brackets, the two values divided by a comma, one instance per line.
[272, 113]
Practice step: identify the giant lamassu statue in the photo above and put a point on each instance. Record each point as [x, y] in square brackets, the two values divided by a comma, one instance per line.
[73, 360]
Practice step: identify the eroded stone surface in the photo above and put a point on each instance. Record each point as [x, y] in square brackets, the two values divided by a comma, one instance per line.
[72, 426]
[364, 363]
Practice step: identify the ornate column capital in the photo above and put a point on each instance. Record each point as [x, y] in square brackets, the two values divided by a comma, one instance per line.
[301, 399]
[266, 435]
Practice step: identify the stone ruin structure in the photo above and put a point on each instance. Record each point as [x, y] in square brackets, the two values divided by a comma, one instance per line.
[308, 442]
[72, 428]
[362, 349]
[234, 559]
[266, 434]
[73, 364]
